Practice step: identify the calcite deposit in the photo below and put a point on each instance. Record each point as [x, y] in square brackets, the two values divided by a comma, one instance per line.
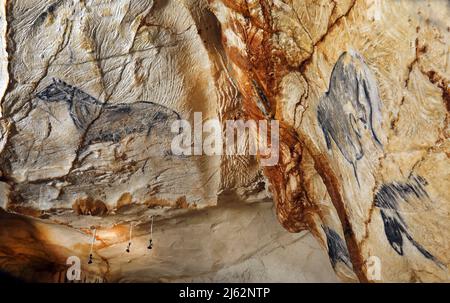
[90, 91]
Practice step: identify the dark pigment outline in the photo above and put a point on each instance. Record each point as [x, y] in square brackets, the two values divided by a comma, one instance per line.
[387, 200]
[337, 250]
[109, 122]
[351, 102]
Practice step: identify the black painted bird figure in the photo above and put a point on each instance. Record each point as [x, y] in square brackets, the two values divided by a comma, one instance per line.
[337, 250]
[388, 200]
[150, 245]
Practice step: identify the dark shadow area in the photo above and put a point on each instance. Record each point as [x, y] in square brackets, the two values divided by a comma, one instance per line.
[6, 278]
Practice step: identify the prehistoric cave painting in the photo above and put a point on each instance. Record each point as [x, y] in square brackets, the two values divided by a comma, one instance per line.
[388, 198]
[108, 122]
[351, 104]
[337, 250]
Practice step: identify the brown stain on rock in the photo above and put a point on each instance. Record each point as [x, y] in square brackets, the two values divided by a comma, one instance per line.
[180, 203]
[29, 251]
[156, 202]
[125, 199]
[262, 63]
[443, 84]
[23, 253]
[90, 207]
[25, 210]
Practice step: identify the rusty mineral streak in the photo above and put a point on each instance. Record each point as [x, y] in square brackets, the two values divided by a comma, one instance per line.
[265, 65]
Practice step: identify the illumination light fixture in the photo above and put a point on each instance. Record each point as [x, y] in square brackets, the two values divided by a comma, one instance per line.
[129, 242]
[92, 245]
[150, 245]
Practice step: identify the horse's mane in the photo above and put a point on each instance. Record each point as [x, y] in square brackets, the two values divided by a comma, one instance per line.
[77, 94]
[83, 107]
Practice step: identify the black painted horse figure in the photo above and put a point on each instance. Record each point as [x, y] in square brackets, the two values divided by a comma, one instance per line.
[104, 122]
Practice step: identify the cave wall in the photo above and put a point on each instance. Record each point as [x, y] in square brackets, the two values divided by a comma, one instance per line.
[89, 90]
[361, 89]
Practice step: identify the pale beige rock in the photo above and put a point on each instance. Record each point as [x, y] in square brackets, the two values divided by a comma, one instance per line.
[150, 55]
[4, 194]
[361, 90]
[181, 238]
[169, 53]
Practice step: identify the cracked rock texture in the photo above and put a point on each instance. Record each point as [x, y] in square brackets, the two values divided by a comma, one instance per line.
[89, 91]
[364, 138]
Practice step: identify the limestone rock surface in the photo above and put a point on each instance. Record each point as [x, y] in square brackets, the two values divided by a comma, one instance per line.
[89, 91]
[365, 149]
